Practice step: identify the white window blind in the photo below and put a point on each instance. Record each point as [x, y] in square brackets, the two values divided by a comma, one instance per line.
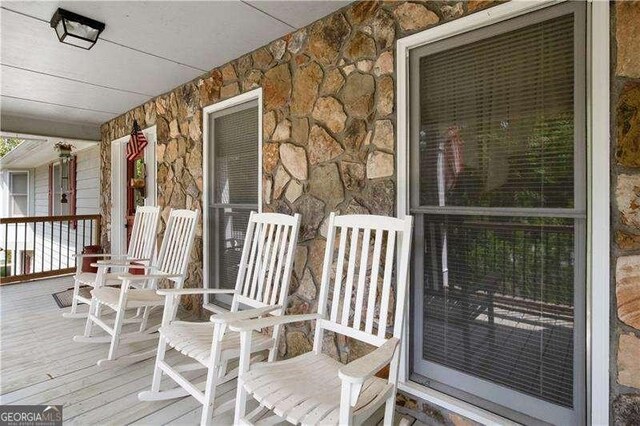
[234, 189]
[498, 188]
[236, 157]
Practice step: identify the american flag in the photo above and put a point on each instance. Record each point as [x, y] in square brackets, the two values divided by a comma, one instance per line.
[137, 142]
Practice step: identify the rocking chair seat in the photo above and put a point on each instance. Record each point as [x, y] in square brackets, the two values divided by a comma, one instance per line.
[306, 389]
[89, 278]
[194, 340]
[135, 298]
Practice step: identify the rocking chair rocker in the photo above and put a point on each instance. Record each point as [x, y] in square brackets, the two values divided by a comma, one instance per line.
[314, 388]
[262, 285]
[171, 264]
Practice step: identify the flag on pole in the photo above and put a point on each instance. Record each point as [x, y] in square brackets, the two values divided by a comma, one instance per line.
[137, 142]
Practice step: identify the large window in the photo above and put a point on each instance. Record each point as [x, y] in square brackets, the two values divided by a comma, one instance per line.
[233, 169]
[498, 189]
[18, 194]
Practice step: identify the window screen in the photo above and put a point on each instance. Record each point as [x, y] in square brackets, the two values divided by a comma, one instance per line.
[497, 187]
[19, 194]
[233, 189]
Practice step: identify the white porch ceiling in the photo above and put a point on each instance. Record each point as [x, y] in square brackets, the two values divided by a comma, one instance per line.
[146, 49]
[34, 152]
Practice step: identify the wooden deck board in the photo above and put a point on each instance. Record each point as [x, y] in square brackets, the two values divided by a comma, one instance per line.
[40, 364]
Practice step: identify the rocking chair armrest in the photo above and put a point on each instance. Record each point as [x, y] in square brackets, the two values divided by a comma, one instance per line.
[257, 324]
[119, 265]
[112, 256]
[131, 277]
[181, 291]
[229, 317]
[124, 262]
[365, 367]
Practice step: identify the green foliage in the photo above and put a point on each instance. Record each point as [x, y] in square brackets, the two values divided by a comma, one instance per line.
[7, 144]
[528, 164]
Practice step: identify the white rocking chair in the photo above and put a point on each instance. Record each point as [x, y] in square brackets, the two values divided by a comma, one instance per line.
[262, 285]
[141, 249]
[314, 388]
[171, 264]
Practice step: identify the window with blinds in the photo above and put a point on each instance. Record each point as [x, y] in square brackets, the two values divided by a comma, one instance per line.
[233, 188]
[498, 188]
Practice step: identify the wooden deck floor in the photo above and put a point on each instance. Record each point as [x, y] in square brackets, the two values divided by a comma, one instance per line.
[40, 364]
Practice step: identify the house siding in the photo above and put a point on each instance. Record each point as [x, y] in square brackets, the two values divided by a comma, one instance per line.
[88, 181]
[329, 126]
[42, 190]
[57, 243]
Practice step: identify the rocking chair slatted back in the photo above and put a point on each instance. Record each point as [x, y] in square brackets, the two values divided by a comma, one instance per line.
[142, 244]
[173, 257]
[372, 249]
[267, 257]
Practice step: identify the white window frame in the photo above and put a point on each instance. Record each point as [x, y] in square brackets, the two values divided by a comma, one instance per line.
[598, 194]
[255, 94]
[118, 179]
[10, 191]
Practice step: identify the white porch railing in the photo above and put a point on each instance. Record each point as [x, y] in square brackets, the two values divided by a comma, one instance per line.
[43, 246]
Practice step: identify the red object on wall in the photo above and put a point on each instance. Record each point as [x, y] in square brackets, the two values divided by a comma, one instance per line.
[72, 189]
[50, 206]
[87, 261]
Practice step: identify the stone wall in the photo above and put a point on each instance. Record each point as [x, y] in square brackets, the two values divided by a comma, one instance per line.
[328, 129]
[329, 145]
[625, 213]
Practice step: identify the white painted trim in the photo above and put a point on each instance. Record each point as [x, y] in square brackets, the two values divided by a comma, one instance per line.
[598, 227]
[455, 405]
[151, 164]
[599, 196]
[46, 138]
[118, 178]
[255, 94]
[118, 197]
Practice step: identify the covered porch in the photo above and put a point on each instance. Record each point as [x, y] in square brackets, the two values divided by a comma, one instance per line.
[42, 365]
[482, 120]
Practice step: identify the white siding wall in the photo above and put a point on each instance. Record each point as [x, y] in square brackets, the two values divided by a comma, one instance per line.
[42, 191]
[56, 243]
[4, 193]
[88, 181]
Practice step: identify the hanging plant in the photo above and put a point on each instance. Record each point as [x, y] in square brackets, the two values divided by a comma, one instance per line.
[64, 150]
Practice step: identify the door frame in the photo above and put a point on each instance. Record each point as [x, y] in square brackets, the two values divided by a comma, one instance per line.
[118, 179]
[251, 95]
[598, 194]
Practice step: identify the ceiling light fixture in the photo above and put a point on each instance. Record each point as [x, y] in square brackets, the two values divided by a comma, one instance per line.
[76, 30]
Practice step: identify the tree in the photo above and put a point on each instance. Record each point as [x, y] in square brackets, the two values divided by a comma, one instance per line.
[7, 144]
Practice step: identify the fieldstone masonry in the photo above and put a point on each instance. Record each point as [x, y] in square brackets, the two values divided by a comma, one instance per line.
[625, 213]
[329, 145]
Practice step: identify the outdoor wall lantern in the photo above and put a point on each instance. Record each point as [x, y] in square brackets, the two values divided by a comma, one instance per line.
[76, 30]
